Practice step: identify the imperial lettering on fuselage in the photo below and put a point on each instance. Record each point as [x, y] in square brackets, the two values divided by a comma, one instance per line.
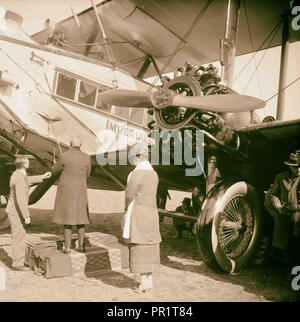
[122, 129]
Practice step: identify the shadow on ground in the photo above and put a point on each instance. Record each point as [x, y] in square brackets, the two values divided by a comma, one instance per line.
[5, 258]
[268, 281]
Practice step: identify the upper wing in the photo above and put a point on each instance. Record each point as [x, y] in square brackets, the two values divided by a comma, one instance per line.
[139, 28]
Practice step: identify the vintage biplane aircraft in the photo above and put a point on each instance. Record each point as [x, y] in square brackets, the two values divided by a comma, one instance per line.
[76, 77]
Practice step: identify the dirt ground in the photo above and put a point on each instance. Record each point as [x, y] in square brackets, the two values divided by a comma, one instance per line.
[182, 276]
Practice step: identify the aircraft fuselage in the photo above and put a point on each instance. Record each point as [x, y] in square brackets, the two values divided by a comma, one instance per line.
[52, 95]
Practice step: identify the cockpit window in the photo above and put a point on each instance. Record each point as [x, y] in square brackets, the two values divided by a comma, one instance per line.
[66, 86]
[87, 94]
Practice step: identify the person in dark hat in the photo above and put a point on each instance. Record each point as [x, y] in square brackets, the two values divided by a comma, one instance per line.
[181, 224]
[284, 196]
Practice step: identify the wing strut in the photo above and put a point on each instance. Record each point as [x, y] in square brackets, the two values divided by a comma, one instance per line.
[113, 177]
[148, 60]
[283, 67]
[227, 62]
[107, 46]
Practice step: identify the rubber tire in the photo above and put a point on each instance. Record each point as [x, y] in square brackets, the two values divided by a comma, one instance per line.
[207, 224]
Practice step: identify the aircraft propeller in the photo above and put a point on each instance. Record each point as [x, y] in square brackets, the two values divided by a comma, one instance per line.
[226, 103]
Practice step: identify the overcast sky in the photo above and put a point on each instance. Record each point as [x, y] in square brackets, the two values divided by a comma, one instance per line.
[263, 85]
[35, 12]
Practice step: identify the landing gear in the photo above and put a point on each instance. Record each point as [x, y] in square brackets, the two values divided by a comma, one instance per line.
[229, 225]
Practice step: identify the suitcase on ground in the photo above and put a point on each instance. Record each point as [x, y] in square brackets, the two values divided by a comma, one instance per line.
[30, 245]
[52, 262]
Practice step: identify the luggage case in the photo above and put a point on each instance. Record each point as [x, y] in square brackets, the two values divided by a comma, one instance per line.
[30, 244]
[52, 262]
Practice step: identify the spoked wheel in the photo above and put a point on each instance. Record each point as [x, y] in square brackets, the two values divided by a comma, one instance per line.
[229, 226]
[235, 227]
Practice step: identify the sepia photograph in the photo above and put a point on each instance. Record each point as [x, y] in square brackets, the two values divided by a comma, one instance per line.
[150, 153]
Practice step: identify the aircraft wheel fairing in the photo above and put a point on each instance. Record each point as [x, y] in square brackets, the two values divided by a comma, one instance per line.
[229, 225]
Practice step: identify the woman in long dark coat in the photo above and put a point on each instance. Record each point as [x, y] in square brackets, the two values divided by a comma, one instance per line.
[143, 228]
[71, 202]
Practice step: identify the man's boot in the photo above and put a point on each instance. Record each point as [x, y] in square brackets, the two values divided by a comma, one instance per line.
[81, 233]
[68, 238]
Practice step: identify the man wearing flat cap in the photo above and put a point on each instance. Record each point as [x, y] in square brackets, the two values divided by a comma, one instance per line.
[284, 196]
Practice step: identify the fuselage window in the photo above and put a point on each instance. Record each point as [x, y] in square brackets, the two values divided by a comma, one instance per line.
[100, 106]
[87, 94]
[66, 86]
[137, 115]
[122, 112]
[149, 118]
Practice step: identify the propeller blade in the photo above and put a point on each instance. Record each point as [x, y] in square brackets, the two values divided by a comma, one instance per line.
[225, 103]
[222, 103]
[125, 98]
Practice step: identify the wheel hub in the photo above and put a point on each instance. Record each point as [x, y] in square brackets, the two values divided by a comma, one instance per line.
[235, 227]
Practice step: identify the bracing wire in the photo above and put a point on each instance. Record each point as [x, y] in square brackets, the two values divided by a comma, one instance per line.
[36, 83]
[290, 84]
[260, 47]
[252, 45]
[176, 50]
[182, 42]
[263, 56]
[100, 43]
